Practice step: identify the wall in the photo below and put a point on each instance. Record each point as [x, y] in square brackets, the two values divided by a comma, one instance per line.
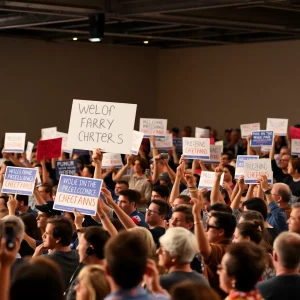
[229, 85]
[39, 79]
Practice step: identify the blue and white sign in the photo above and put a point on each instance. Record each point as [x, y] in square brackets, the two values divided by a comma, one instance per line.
[14, 142]
[78, 193]
[19, 181]
[207, 180]
[177, 142]
[196, 148]
[239, 168]
[261, 138]
[256, 168]
[66, 167]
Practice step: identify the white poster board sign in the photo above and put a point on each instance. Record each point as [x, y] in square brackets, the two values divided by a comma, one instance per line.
[29, 150]
[239, 168]
[196, 148]
[279, 126]
[156, 127]
[215, 154]
[257, 167]
[112, 160]
[295, 145]
[14, 142]
[49, 133]
[207, 180]
[164, 143]
[137, 138]
[246, 129]
[220, 143]
[104, 125]
[64, 145]
[201, 133]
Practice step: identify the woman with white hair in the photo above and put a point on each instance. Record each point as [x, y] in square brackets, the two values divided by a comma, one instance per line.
[178, 247]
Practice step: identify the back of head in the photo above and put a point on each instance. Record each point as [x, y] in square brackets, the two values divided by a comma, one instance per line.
[284, 191]
[93, 278]
[23, 198]
[225, 221]
[251, 215]
[252, 230]
[40, 278]
[246, 263]
[287, 247]
[185, 198]
[256, 204]
[131, 195]
[221, 207]
[31, 226]
[181, 243]
[193, 290]
[62, 229]
[19, 227]
[126, 255]
[162, 191]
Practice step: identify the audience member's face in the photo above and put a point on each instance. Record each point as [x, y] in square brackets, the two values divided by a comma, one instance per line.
[294, 220]
[205, 204]
[152, 215]
[164, 182]
[284, 161]
[164, 258]
[283, 151]
[179, 220]
[178, 201]
[3, 212]
[82, 246]
[86, 173]
[212, 232]
[225, 279]
[43, 193]
[227, 176]
[41, 220]
[291, 170]
[124, 203]
[120, 187]
[234, 137]
[274, 193]
[82, 292]
[224, 159]
[48, 239]
[2, 203]
[137, 166]
[237, 237]
[156, 196]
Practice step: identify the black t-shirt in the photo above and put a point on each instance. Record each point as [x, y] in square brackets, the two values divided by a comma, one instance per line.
[281, 287]
[157, 232]
[277, 172]
[294, 186]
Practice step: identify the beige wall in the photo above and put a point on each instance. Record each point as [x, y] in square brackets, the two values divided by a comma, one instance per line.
[38, 81]
[226, 86]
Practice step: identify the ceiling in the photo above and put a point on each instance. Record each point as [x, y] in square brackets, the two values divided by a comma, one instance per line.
[163, 23]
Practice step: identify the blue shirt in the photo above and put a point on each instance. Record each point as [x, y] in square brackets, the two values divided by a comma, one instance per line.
[277, 217]
[135, 294]
[138, 218]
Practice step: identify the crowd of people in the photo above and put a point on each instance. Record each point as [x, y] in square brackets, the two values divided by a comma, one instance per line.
[156, 235]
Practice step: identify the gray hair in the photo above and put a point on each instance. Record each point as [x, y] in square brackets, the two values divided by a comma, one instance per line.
[296, 205]
[284, 191]
[20, 227]
[287, 247]
[181, 243]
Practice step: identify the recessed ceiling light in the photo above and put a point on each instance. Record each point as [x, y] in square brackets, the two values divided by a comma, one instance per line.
[146, 42]
[95, 40]
[75, 38]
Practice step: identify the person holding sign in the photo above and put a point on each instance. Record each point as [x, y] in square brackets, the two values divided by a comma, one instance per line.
[293, 181]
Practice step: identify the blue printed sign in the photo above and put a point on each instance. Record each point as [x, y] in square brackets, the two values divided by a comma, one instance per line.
[177, 142]
[78, 193]
[19, 181]
[239, 168]
[66, 167]
[81, 152]
[262, 138]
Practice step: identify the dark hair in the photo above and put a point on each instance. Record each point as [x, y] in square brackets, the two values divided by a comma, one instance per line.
[123, 182]
[97, 237]
[5, 198]
[131, 195]
[143, 163]
[185, 198]
[187, 210]
[62, 229]
[206, 196]
[220, 207]
[246, 264]
[295, 162]
[47, 278]
[91, 169]
[163, 207]
[230, 157]
[251, 229]
[162, 191]
[225, 221]
[197, 178]
[31, 228]
[126, 256]
[48, 188]
[231, 170]
[8, 163]
[192, 290]
[258, 205]
[23, 198]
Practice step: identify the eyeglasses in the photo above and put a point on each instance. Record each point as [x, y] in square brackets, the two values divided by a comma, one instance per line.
[151, 212]
[212, 226]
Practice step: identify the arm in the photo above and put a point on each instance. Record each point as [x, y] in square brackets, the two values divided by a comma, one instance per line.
[38, 198]
[235, 203]
[118, 176]
[97, 158]
[175, 188]
[226, 187]
[272, 151]
[154, 149]
[30, 241]
[216, 195]
[250, 151]
[259, 192]
[155, 174]
[170, 171]
[175, 157]
[45, 174]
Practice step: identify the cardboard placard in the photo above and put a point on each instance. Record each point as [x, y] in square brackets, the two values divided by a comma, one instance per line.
[104, 125]
[278, 126]
[257, 167]
[137, 138]
[78, 193]
[295, 145]
[201, 133]
[196, 148]
[19, 181]
[14, 142]
[112, 160]
[261, 138]
[207, 180]
[246, 129]
[48, 149]
[215, 154]
[29, 150]
[156, 127]
[239, 168]
[66, 167]
[49, 133]
[64, 145]
[164, 143]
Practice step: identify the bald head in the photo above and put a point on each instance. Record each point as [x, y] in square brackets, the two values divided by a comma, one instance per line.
[287, 248]
[283, 191]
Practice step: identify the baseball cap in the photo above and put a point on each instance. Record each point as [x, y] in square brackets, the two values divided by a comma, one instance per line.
[164, 176]
[48, 208]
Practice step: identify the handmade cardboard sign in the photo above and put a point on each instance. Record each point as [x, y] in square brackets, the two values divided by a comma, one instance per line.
[19, 180]
[294, 132]
[215, 154]
[257, 167]
[164, 143]
[111, 160]
[64, 145]
[49, 133]
[196, 148]
[137, 138]
[239, 168]
[156, 127]
[29, 150]
[78, 193]
[207, 180]
[246, 129]
[279, 126]
[14, 142]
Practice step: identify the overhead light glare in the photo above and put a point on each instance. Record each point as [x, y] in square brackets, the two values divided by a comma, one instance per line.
[95, 40]
[146, 42]
[75, 38]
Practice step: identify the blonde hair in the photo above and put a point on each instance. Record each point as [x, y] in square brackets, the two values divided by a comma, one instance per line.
[94, 279]
[147, 237]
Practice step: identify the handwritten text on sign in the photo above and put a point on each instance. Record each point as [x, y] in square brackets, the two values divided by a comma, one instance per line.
[239, 169]
[66, 167]
[49, 133]
[279, 126]
[207, 180]
[255, 168]
[156, 127]
[137, 138]
[295, 147]
[78, 193]
[196, 148]
[14, 142]
[112, 160]
[246, 129]
[105, 125]
[164, 143]
[261, 138]
[215, 154]
[19, 181]
[48, 149]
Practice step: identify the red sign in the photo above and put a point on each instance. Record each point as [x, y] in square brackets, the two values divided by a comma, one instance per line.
[294, 133]
[49, 149]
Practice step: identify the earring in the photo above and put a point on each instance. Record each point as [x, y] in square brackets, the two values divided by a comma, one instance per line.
[233, 284]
